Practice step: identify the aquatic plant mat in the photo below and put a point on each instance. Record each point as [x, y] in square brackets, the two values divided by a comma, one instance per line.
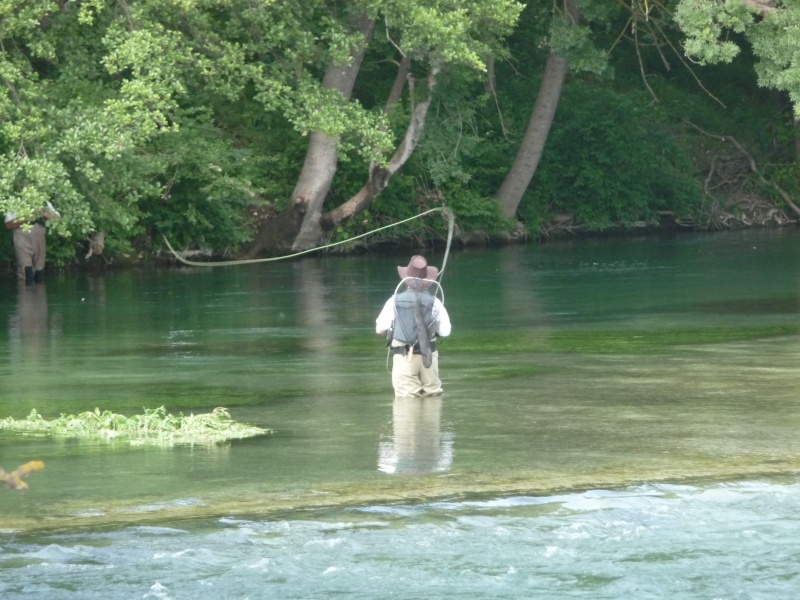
[155, 427]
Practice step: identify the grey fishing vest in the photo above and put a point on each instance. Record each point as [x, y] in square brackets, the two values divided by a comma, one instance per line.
[406, 305]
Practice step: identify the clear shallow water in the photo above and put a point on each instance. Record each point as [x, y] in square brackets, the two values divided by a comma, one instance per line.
[662, 371]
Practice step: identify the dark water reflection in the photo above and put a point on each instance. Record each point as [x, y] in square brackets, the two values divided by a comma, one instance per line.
[571, 366]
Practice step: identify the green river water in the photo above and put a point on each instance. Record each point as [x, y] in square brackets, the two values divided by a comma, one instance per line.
[620, 420]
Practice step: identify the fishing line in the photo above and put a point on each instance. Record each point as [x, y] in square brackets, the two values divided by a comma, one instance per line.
[226, 263]
[446, 212]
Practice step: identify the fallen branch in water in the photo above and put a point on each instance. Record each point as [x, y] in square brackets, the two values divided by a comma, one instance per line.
[14, 478]
[156, 426]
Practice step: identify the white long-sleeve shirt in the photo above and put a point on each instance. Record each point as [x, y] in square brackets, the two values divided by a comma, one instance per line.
[441, 319]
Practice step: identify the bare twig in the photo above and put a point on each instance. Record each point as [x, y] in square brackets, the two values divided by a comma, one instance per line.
[752, 164]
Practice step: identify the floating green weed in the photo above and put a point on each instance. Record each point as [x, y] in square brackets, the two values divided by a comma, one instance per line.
[155, 426]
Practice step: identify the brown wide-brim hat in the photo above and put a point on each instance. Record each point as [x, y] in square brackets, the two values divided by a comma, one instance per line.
[419, 268]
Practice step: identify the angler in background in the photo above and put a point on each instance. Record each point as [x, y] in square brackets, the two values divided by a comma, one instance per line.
[30, 243]
[412, 320]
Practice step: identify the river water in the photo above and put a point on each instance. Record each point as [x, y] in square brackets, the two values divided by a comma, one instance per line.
[619, 420]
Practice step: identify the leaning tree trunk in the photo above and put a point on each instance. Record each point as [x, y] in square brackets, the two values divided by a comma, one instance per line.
[321, 157]
[297, 228]
[301, 218]
[530, 151]
[379, 176]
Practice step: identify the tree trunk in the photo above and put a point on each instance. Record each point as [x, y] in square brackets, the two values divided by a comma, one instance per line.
[297, 227]
[379, 176]
[322, 157]
[530, 151]
[403, 69]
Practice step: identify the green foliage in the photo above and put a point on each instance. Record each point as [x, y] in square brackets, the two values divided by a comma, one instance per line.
[154, 426]
[120, 112]
[178, 118]
[772, 35]
[388, 210]
[208, 185]
[357, 130]
[705, 23]
[452, 131]
[475, 212]
[777, 45]
[576, 43]
[610, 160]
[787, 176]
[452, 32]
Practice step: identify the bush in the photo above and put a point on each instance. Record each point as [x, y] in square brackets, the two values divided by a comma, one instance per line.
[610, 160]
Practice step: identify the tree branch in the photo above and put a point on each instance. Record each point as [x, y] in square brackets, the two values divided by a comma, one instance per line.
[752, 163]
[399, 83]
[379, 176]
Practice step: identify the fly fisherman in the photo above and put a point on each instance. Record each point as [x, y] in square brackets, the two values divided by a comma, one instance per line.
[30, 243]
[411, 320]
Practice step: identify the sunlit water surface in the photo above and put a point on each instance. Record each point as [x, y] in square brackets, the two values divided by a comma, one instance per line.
[620, 420]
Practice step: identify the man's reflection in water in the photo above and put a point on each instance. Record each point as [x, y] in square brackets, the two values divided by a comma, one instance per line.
[28, 327]
[418, 445]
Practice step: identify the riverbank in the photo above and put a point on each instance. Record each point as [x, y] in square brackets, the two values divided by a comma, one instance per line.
[740, 211]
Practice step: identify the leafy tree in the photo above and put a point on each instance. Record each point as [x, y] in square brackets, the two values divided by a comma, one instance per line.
[270, 125]
[120, 109]
[95, 114]
[436, 36]
[714, 32]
